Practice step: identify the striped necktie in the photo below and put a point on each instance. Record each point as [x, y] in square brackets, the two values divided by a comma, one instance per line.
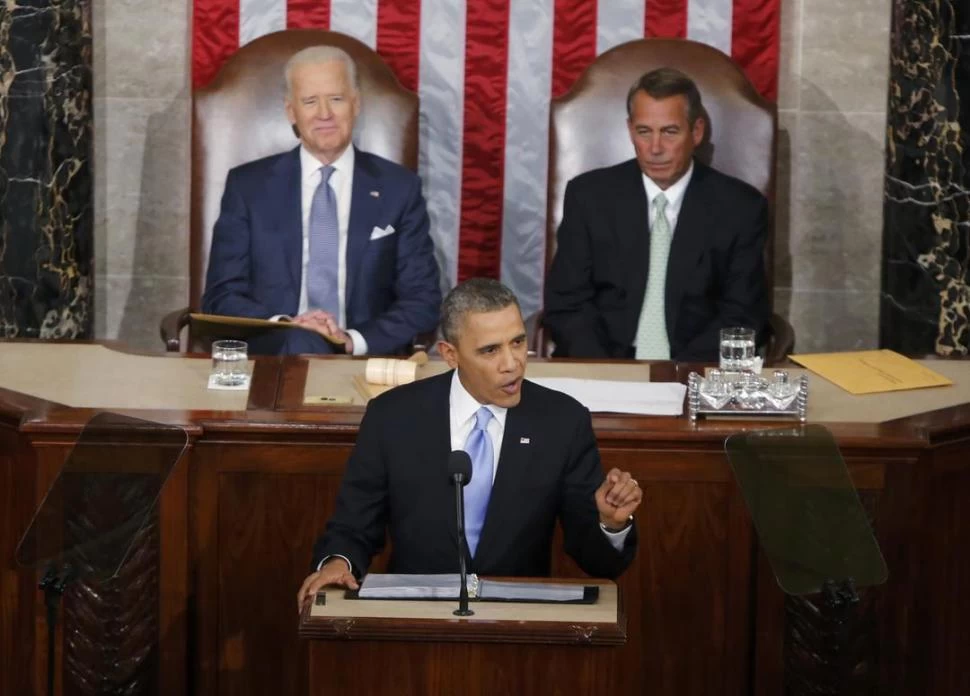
[652, 342]
[479, 490]
[324, 238]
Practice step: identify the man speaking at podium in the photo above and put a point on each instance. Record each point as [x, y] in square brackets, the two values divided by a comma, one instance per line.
[534, 459]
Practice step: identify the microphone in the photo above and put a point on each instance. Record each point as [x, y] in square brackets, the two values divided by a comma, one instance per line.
[460, 467]
[460, 473]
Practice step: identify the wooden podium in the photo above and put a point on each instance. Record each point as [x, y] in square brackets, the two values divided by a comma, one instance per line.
[365, 647]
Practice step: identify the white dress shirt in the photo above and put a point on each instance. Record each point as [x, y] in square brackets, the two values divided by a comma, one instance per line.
[462, 409]
[674, 195]
[341, 181]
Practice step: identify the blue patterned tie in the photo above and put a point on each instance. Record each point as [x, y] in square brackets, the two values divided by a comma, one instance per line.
[479, 448]
[321, 281]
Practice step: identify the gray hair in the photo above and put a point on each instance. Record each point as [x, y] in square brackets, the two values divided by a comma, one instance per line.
[475, 295]
[667, 82]
[314, 55]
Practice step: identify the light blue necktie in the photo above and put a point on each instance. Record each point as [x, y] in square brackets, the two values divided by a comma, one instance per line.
[652, 342]
[479, 448]
[321, 281]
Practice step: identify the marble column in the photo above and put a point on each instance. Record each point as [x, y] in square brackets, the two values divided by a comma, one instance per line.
[926, 236]
[46, 214]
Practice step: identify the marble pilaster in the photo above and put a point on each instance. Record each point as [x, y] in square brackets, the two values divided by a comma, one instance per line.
[46, 214]
[926, 236]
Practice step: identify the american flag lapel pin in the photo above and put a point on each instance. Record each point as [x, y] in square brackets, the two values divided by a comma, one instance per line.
[375, 194]
[524, 441]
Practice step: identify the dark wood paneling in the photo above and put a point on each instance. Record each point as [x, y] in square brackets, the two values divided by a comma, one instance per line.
[265, 522]
[947, 580]
[17, 588]
[254, 531]
[446, 669]
[173, 581]
[239, 517]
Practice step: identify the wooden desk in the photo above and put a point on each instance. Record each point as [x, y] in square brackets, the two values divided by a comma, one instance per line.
[240, 513]
[422, 648]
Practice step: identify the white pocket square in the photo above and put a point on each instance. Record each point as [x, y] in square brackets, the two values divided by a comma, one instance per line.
[377, 233]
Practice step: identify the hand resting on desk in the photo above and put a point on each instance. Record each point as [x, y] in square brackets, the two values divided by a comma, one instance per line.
[334, 572]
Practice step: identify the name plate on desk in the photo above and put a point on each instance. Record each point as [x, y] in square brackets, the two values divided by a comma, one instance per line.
[324, 400]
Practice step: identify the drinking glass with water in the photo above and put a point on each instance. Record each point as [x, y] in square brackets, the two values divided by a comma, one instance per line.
[229, 362]
[737, 349]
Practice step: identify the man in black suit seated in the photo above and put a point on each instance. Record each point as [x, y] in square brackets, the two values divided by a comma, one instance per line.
[534, 460]
[657, 254]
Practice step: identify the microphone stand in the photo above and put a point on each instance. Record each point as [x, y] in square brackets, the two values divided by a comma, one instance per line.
[462, 609]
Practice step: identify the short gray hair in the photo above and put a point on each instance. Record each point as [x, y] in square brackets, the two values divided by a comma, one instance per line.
[662, 83]
[314, 55]
[474, 295]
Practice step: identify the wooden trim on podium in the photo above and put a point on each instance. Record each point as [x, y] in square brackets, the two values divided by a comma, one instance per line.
[455, 630]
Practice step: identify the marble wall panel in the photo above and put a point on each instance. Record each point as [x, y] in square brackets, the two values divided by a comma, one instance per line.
[132, 306]
[845, 54]
[828, 215]
[831, 320]
[836, 226]
[142, 124]
[790, 54]
[926, 295]
[46, 213]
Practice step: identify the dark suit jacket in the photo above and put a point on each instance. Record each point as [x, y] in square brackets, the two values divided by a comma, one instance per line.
[397, 479]
[715, 272]
[255, 265]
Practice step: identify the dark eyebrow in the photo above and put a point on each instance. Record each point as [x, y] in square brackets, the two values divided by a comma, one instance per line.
[520, 337]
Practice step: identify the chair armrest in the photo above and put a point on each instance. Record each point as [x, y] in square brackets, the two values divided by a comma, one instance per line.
[535, 335]
[781, 340]
[423, 341]
[170, 328]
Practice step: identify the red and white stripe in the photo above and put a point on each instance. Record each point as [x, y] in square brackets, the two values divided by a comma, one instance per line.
[484, 71]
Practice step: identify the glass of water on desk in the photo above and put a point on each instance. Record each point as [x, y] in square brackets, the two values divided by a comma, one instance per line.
[229, 361]
[737, 349]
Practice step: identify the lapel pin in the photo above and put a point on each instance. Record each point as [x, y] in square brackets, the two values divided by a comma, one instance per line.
[524, 441]
[375, 194]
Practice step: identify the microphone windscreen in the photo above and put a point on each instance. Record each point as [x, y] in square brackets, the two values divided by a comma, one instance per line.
[460, 463]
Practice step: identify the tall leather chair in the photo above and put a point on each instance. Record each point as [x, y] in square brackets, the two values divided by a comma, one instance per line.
[239, 117]
[588, 130]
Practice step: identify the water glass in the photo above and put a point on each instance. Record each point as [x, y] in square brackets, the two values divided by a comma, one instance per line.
[229, 362]
[737, 349]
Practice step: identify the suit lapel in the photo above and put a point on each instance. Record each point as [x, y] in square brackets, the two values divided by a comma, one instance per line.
[687, 245]
[506, 498]
[634, 223]
[288, 190]
[438, 441]
[365, 212]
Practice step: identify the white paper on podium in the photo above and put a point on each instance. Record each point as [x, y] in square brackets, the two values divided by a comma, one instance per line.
[643, 398]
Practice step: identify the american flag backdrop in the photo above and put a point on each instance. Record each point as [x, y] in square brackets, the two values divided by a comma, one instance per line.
[484, 71]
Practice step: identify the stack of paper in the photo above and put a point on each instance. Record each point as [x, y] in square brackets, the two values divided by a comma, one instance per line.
[414, 586]
[599, 396]
[445, 586]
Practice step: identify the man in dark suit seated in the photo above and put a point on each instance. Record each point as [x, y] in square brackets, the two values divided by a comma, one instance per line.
[326, 234]
[657, 254]
[534, 460]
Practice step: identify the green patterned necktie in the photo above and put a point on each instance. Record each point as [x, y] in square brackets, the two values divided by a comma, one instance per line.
[652, 343]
